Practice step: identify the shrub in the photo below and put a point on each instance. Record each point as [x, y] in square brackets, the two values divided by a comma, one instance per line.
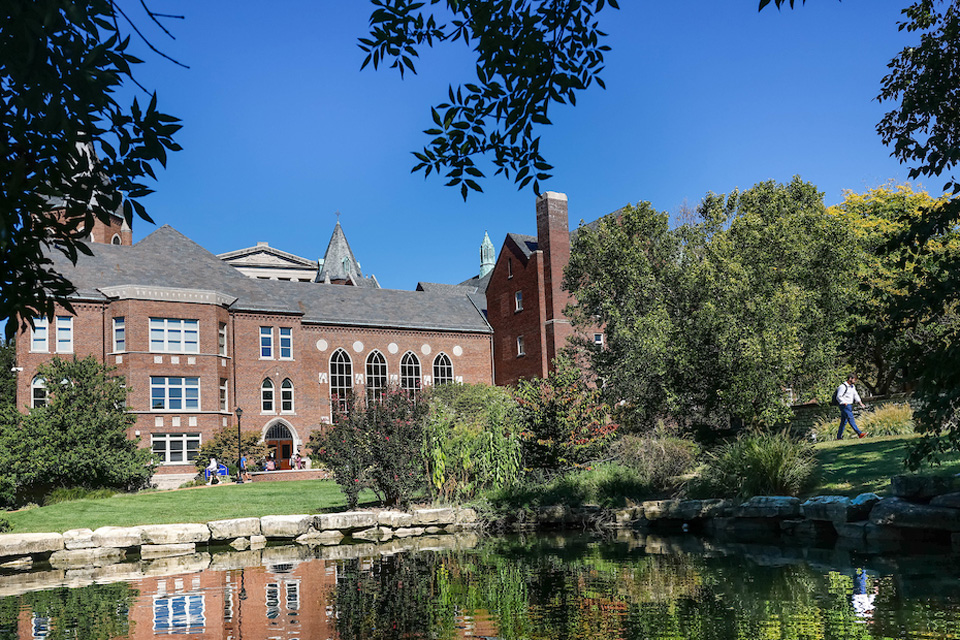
[658, 457]
[893, 419]
[76, 493]
[5, 525]
[377, 445]
[562, 418]
[222, 447]
[607, 485]
[757, 464]
[470, 440]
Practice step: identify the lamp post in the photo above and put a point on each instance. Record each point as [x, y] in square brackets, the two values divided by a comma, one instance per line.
[239, 450]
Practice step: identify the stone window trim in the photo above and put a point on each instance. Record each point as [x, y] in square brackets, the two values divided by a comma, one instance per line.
[119, 334]
[38, 393]
[442, 370]
[174, 394]
[267, 397]
[286, 397]
[222, 339]
[39, 336]
[285, 339]
[224, 397]
[174, 335]
[175, 448]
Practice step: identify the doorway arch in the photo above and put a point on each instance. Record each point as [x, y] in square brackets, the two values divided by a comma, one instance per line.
[282, 441]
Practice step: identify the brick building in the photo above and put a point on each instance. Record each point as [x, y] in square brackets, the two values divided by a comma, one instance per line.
[195, 338]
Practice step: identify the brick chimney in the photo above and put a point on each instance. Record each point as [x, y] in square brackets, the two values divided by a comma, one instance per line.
[553, 239]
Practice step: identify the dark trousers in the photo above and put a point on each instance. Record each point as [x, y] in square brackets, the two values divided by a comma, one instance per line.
[846, 416]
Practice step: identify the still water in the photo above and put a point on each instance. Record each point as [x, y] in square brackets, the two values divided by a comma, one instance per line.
[623, 586]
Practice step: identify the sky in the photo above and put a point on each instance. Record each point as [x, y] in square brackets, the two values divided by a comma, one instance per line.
[282, 130]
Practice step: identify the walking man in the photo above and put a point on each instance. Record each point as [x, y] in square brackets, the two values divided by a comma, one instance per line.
[846, 396]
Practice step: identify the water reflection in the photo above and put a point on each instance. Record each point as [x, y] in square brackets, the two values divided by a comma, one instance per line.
[510, 588]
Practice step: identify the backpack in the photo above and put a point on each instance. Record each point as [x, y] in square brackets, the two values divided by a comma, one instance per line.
[835, 399]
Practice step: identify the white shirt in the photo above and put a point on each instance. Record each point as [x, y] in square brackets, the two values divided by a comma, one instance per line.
[847, 394]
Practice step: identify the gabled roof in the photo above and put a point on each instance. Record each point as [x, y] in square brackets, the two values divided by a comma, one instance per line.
[526, 244]
[263, 255]
[167, 261]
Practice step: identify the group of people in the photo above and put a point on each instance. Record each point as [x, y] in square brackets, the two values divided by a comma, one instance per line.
[212, 470]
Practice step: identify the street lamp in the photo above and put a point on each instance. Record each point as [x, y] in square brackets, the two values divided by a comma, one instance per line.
[239, 451]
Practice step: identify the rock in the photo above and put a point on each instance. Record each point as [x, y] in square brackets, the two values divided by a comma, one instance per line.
[830, 508]
[394, 519]
[346, 521]
[923, 487]
[285, 526]
[152, 551]
[23, 563]
[241, 544]
[434, 516]
[656, 509]
[801, 528]
[862, 505]
[744, 529]
[234, 528]
[851, 530]
[900, 513]
[699, 509]
[949, 500]
[406, 532]
[373, 534]
[432, 531]
[22, 544]
[769, 507]
[877, 533]
[166, 534]
[325, 538]
[86, 557]
[258, 542]
[119, 537]
[78, 539]
[173, 565]
[465, 516]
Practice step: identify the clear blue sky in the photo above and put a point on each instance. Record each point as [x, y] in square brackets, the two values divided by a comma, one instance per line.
[282, 129]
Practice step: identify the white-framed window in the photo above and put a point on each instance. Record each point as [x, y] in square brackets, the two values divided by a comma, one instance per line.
[173, 335]
[286, 396]
[509, 267]
[598, 339]
[175, 448]
[38, 393]
[115, 239]
[174, 393]
[266, 396]
[224, 404]
[442, 369]
[119, 334]
[410, 372]
[286, 343]
[341, 380]
[38, 337]
[520, 351]
[179, 615]
[222, 339]
[376, 376]
[64, 334]
[518, 301]
[266, 343]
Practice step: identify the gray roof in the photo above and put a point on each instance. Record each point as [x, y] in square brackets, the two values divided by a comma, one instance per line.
[168, 259]
[339, 263]
[527, 244]
[264, 249]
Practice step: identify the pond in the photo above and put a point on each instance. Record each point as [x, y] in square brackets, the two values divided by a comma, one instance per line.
[614, 586]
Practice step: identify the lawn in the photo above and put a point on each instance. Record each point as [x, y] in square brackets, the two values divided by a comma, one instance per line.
[201, 504]
[853, 466]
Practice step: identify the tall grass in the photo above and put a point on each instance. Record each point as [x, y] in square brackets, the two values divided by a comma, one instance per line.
[606, 485]
[757, 464]
[895, 419]
[659, 458]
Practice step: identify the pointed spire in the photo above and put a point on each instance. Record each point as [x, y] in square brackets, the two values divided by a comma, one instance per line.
[487, 255]
[339, 265]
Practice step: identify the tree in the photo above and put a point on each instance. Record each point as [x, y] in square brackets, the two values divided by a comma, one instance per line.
[78, 439]
[8, 376]
[719, 319]
[70, 153]
[530, 55]
[222, 446]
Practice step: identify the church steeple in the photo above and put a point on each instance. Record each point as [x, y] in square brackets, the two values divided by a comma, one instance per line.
[487, 255]
[339, 266]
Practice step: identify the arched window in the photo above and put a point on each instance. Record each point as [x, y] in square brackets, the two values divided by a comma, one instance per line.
[341, 380]
[266, 396]
[286, 396]
[376, 376]
[38, 393]
[410, 372]
[116, 239]
[442, 369]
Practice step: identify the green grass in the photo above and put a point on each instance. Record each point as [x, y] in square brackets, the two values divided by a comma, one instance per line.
[201, 504]
[853, 466]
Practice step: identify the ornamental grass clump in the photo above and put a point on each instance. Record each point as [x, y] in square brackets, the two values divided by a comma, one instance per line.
[659, 457]
[893, 419]
[757, 464]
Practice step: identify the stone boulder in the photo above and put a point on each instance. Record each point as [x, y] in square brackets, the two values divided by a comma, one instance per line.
[373, 534]
[23, 544]
[769, 507]
[839, 509]
[394, 519]
[423, 517]
[949, 500]
[466, 516]
[86, 557]
[153, 551]
[346, 521]
[78, 539]
[118, 537]
[408, 531]
[240, 544]
[923, 487]
[258, 542]
[285, 526]
[234, 528]
[164, 534]
[900, 513]
[325, 538]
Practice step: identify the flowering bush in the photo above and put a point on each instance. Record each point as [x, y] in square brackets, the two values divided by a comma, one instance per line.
[376, 445]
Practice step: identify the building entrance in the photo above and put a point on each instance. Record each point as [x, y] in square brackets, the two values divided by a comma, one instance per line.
[279, 442]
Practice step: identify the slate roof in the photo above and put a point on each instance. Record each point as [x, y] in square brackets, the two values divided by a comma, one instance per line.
[167, 258]
[339, 263]
[267, 250]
